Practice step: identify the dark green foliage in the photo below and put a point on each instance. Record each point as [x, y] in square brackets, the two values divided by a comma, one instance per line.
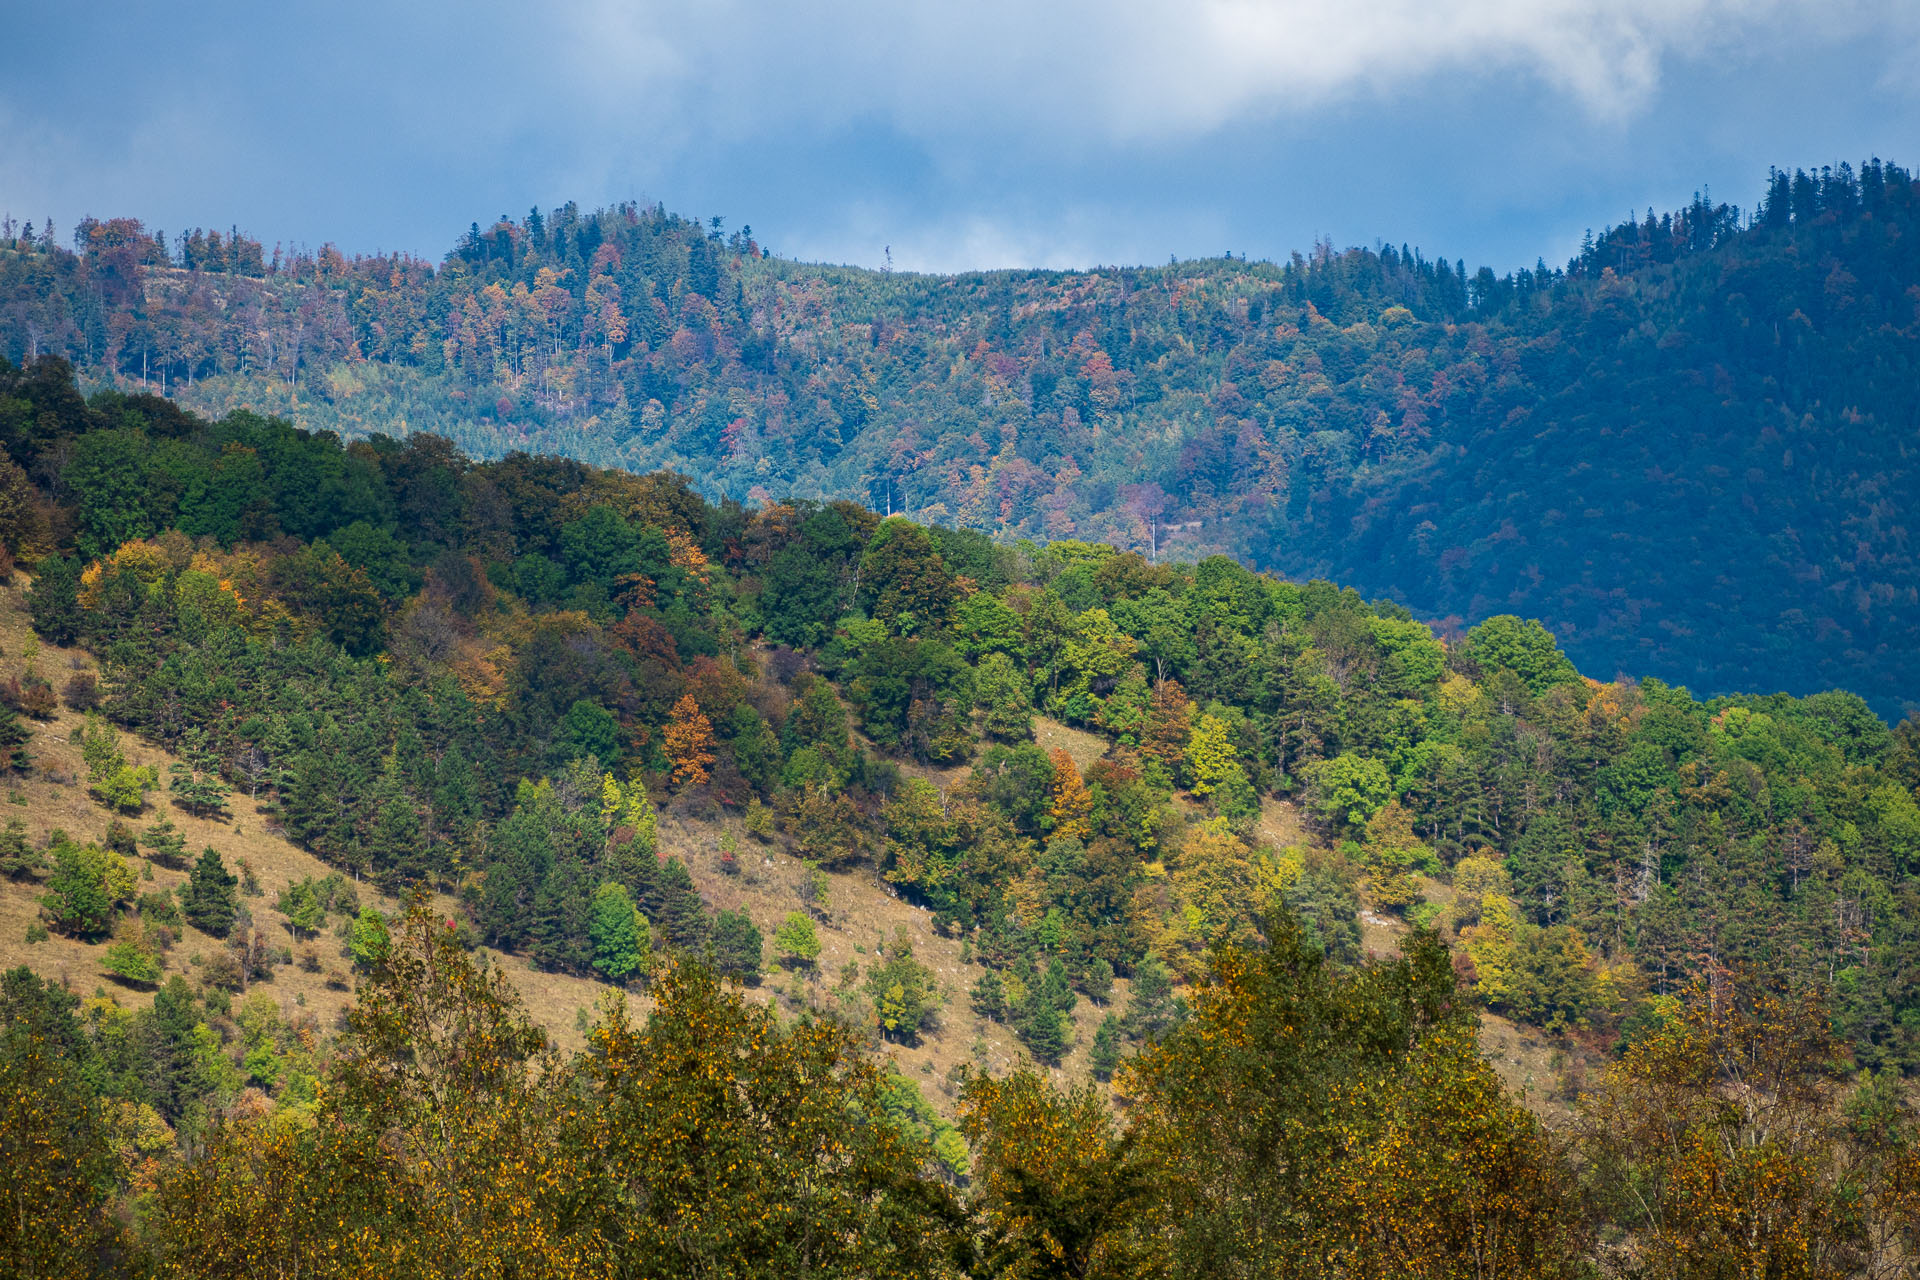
[1103, 1059]
[1357, 401]
[208, 900]
[18, 858]
[989, 997]
[1151, 1009]
[736, 946]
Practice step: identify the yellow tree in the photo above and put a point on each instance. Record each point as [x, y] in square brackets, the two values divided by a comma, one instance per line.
[1311, 1121]
[1055, 1187]
[1071, 813]
[1719, 1147]
[689, 743]
[1210, 755]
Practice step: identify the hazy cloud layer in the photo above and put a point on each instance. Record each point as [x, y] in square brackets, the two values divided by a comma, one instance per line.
[978, 134]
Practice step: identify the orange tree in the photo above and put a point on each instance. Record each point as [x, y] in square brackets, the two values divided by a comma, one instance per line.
[1313, 1122]
[1719, 1145]
[734, 1146]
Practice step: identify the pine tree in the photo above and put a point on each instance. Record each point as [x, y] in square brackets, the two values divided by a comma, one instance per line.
[682, 915]
[14, 735]
[208, 900]
[1151, 1009]
[1104, 1058]
[1041, 1028]
[17, 857]
[989, 997]
[736, 945]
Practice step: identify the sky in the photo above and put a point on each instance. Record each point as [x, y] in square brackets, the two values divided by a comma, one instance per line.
[951, 136]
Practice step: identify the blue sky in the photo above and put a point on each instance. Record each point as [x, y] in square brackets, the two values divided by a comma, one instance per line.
[994, 133]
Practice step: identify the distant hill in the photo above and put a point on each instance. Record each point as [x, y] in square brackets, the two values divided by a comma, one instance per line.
[1690, 450]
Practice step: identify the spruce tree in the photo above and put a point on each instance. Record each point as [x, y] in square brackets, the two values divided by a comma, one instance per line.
[14, 733]
[209, 901]
[682, 915]
[1104, 1058]
[1041, 1028]
[989, 996]
[736, 945]
[1151, 1010]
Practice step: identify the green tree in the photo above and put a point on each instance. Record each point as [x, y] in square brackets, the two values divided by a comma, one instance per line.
[55, 600]
[370, 939]
[621, 942]
[904, 583]
[87, 883]
[797, 940]
[302, 907]
[736, 946]
[1523, 647]
[1103, 1059]
[1151, 1008]
[1349, 789]
[131, 960]
[902, 990]
[164, 843]
[1210, 755]
[208, 901]
[989, 997]
[1004, 693]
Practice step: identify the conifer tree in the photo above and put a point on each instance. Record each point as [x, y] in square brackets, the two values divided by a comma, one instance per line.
[1104, 1058]
[1151, 1009]
[989, 997]
[736, 945]
[209, 901]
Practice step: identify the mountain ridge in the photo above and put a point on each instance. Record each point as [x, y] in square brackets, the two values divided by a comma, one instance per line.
[1683, 450]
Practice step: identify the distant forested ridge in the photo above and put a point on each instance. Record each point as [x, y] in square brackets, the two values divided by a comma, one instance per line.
[1689, 450]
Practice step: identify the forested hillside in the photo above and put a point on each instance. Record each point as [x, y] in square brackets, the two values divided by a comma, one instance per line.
[1688, 450]
[498, 681]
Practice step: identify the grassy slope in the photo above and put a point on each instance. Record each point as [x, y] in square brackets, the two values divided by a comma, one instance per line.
[862, 911]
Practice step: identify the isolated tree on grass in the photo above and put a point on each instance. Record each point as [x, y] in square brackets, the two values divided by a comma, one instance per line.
[209, 901]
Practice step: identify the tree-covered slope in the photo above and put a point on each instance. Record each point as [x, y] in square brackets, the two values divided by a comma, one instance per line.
[1688, 451]
[502, 685]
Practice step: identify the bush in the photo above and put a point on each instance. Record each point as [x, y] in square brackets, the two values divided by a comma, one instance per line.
[29, 695]
[132, 963]
[82, 691]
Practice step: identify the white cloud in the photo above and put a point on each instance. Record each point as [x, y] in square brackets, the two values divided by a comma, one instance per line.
[1132, 70]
